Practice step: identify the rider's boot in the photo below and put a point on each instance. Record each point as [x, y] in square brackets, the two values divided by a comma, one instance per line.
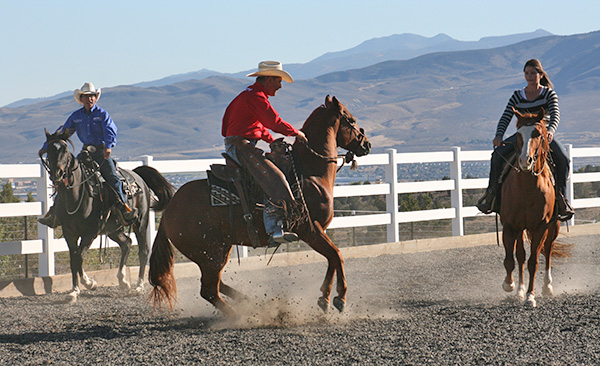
[485, 203]
[565, 211]
[50, 219]
[128, 214]
[275, 228]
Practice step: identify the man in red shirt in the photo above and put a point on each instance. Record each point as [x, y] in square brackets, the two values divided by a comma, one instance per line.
[248, 119]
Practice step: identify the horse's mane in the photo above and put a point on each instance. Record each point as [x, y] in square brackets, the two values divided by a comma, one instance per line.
[310, 120]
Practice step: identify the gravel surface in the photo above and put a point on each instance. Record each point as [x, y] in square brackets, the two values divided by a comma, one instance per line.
[436, 308]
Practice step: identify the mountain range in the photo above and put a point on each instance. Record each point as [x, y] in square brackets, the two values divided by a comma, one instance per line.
[439, 98]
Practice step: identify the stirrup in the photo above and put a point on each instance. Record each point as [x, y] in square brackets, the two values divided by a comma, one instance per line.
[565, 211]
[50, 221]
[485, 203]
[127, 215]
[281, 237]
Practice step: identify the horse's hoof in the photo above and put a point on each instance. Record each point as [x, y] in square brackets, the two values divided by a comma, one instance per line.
[139, 288]
[91, 285]
[339, 304]
[323, 304]
[72, 297]
[530, 302]
[548, 291]
[508, 287]
[125, 286]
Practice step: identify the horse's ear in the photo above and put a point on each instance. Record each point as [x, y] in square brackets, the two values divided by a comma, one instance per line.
[327, 101]
[47, 133]
[541, 114]
[336, 102]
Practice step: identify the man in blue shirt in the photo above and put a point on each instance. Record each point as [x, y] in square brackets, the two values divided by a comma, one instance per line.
[95, 128]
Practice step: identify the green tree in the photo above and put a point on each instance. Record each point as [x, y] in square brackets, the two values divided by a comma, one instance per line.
[7, 195]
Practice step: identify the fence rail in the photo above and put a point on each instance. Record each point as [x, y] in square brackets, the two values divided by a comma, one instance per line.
[45, 246]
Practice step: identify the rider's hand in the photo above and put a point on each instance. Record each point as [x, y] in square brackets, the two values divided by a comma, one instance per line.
[301, 136]
[550, 137]
[107, 152]
[497, 141]
[41, 153]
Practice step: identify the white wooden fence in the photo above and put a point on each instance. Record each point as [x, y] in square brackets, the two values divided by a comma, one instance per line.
[45, 245]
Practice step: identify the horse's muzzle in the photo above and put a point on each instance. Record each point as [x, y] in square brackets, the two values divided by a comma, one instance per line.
[364, 148]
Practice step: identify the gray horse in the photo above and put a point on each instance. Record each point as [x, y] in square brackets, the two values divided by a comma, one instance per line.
[86, 210]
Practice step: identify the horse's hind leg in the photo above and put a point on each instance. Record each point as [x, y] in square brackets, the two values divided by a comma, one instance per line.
[548, 246]
[231, 292]
[209, 290]
[125, 243]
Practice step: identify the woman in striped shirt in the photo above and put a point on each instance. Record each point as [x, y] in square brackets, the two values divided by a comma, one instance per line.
[536, 95]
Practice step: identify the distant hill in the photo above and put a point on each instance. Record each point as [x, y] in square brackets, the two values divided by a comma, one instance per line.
[395, 47]
[431, 102]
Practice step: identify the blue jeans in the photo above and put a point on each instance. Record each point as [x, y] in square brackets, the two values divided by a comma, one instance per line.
[109, 173]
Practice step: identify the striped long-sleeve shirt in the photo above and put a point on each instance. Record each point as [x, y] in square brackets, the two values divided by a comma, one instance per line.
[547, 100]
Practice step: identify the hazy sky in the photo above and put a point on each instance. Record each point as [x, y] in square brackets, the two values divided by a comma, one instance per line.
[51, 46]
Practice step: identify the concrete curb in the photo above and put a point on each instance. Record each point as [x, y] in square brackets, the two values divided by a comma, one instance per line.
[62, 283]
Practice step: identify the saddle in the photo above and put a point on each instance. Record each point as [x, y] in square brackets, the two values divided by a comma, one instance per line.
[232, 185]
[96, 181]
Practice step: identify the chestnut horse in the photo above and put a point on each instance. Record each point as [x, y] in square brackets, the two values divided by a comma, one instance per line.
[204, 233]
[527, 207]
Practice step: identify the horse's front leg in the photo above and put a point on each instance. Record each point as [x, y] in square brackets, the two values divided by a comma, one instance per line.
[86, 243]
[75, 262]
[320, 242]
[125, 244]
[509, 237]
[521, 256]
[532, 264]
[143, 254]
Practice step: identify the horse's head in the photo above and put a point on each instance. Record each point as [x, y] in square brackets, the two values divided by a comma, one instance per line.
[349, 136]
[532, 143]
[59, 158]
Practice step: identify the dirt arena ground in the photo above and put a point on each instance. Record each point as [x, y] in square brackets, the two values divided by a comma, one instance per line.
[443, 307]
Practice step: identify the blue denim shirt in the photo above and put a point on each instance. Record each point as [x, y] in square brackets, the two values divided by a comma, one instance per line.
[92, 128]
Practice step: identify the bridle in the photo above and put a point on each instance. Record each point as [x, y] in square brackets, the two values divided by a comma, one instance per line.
[349, 156]
[67, 173]
[535, 156]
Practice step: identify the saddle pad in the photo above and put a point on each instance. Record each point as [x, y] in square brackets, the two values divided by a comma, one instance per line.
[221, 192]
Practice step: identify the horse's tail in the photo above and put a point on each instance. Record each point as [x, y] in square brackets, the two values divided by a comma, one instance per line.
[158, 184]
[561, 249]
[160, 274]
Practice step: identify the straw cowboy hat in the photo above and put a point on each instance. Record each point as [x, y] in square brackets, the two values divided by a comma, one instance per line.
[87, 88]
[272, 68]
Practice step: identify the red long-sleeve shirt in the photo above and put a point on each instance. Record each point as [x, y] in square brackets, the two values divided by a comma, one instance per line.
[250, 115]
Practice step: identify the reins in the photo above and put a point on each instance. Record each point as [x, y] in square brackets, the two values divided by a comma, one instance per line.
[348, 157]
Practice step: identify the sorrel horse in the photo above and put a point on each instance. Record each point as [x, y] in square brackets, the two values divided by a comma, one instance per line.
[84, 215]
[204, 233]
[527, 207]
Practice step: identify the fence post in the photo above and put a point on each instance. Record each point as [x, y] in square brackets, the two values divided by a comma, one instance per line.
[570, 192]
[151, 229]
[456, 195]
[45, 233]
[391, 200]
